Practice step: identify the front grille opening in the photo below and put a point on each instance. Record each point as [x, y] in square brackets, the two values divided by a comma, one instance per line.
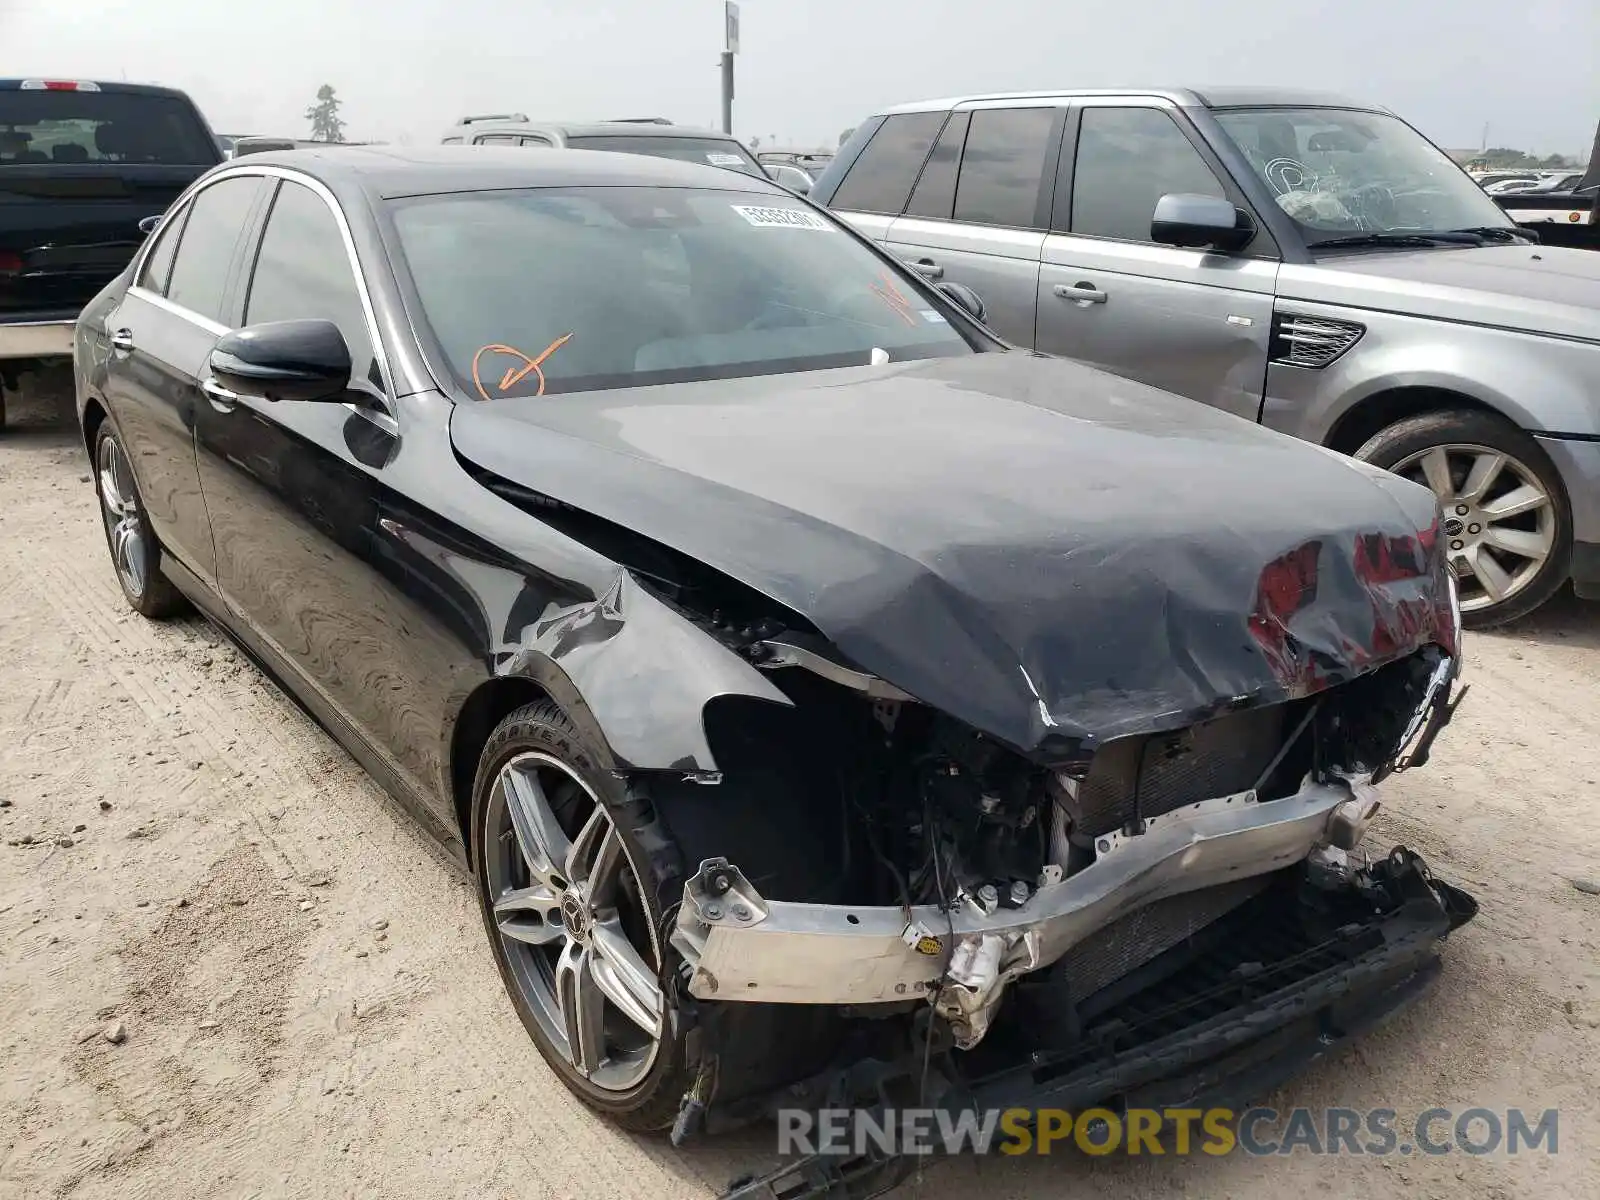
[1270, 941]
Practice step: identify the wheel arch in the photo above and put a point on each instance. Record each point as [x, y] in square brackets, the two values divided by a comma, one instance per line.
[1383, 408]
[94, 415]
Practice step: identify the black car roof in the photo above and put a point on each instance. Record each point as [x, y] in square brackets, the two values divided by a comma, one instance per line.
[390, 172]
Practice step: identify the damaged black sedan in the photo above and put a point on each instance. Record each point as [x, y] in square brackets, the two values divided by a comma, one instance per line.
[820, 693]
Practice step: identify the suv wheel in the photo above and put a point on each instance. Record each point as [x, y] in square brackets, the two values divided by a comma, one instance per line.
[1507, 521]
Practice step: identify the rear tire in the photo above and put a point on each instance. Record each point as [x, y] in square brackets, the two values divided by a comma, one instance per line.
[135, 554]
[1507, 520]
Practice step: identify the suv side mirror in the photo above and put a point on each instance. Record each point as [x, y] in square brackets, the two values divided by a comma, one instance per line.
[964, 298]
[284, 360]
[1201, 222]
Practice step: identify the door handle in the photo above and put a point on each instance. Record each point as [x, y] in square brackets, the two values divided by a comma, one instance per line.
[122, 341]
[1081, 293]
[928, 269]
[221, 398]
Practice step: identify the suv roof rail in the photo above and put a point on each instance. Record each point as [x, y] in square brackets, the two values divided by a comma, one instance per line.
[640, 121]
[469, 120]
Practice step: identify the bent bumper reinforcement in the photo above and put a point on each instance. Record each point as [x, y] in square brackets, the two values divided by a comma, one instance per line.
[743, 947]
[1231, 1060]
[36, 339]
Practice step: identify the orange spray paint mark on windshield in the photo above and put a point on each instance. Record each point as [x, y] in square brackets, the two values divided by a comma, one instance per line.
[897, 300]
[515, 375]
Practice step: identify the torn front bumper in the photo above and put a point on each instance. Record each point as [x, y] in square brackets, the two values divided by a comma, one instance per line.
[1261, 1000]
[744, 947]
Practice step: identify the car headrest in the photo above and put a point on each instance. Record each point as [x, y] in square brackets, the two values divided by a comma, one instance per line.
[112, 138]
[69, 152]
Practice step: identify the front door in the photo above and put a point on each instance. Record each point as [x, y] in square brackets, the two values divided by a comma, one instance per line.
[161, 334]
[293, 492]
[1189, 321]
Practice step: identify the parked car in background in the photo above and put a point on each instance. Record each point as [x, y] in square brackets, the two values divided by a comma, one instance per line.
[84, 167]
[1298, 259]
[796, 179]
[809, 683]
[652, 136]
[1490, 179]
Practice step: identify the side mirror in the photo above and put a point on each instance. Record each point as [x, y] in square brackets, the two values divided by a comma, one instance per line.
[1200, 222]
[284, 360]
[964, 298]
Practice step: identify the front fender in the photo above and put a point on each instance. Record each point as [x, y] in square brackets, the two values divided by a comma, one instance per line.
[636, 672]
[1545, 385]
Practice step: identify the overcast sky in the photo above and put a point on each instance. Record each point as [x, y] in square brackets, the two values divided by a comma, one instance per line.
[810, 68]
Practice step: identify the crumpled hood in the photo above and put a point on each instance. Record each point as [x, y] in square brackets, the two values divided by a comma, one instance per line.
[1552, 290]
[1054, 555]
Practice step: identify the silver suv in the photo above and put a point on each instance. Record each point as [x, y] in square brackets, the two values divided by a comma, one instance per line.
[1301, 260]
[653, 136]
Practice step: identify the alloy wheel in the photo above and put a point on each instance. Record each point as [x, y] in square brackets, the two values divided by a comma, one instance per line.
[573, 924]
[1499, 521]
[120, 510]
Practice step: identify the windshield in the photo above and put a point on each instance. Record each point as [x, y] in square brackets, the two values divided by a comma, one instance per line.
[1338, 172]
[718, 152]
[42, 127]
[575, 289]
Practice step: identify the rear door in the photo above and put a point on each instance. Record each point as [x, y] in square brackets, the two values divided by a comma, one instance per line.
[877, 185]
[81, 165]
[1190, 321]
[979, 211]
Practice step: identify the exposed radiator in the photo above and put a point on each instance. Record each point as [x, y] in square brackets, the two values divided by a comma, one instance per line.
[1168, 770]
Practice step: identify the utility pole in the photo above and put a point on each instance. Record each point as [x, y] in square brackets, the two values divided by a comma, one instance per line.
[730, 47]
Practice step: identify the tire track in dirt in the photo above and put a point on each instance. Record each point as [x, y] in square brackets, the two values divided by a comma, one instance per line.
[270, 769]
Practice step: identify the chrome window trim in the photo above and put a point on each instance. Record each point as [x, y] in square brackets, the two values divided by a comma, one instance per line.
[215, 328]
[354, 261]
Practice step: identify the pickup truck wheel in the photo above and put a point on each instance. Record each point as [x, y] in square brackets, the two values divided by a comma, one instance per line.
[135, 553]
[1507, 520]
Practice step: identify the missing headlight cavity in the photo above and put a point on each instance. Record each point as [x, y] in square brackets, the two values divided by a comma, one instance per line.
[896, 804]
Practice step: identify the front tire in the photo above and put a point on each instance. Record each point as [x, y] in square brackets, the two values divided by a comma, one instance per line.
[135, 553]
[574, 876]
[1507, 520]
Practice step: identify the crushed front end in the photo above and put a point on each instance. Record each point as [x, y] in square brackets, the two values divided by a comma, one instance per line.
[1181, 914]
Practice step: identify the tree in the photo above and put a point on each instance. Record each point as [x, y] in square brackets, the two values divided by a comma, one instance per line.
[324, 116]
[755, 143]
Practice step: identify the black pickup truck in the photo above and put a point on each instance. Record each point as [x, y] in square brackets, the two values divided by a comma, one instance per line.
[81, 165]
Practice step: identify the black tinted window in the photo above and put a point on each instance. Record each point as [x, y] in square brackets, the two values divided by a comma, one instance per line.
[104, 127]
[1002, 165]
[210, 237]
[935, 194]
[158, 266]
[881, 178]
[303, 272]
[1128, 158]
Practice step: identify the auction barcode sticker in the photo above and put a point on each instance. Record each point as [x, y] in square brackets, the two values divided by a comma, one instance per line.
[780, 218]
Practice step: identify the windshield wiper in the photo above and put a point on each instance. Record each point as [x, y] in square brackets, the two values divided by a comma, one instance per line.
[1499, 233]
[1453, 237]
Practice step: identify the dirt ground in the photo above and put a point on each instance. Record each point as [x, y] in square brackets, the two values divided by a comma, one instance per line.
[310, 1009]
